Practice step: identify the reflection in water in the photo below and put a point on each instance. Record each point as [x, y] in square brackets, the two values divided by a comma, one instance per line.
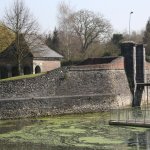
[30, 146]
[137, 112]
[14, 125]
[140, 140]
[75, 132]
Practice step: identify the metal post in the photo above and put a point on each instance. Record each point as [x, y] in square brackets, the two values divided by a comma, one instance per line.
[129, 23]
[134, 77]
[144, 63]
[128, 113]
[135, 114]
[126, 116]
[118, 115]
[144, 116]
[147, 95]
[110, 114]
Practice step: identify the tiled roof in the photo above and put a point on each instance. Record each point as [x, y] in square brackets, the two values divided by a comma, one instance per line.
[39, 49]
[44, 51]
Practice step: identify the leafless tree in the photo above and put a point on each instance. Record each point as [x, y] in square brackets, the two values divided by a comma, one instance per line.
[80, 30]
[89, 27]
[19, 19]
[64, 27]
[136, 36]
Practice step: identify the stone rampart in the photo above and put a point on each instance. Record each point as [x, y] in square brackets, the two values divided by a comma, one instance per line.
[70, 88]
[23, 108]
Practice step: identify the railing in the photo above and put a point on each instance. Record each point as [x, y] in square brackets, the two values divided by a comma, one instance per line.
[128, 115]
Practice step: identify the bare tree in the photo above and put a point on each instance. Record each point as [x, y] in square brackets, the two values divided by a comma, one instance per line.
[89, 27]
[19, 19]
[64, 27]
[136, 36]
[80, 30]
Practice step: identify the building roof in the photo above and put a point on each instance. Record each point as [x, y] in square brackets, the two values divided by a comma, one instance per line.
[44, 52]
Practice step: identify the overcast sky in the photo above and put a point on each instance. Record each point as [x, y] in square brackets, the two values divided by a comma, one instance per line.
[116, 11]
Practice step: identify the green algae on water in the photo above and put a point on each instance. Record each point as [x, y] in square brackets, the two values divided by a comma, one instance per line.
[70, 130]
[88, 131]
[99, 140]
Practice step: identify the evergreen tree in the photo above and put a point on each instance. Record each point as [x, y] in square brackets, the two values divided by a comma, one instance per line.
[112, 47]
[146, 38]
[55, 40]
[116, 39]
[49, 41]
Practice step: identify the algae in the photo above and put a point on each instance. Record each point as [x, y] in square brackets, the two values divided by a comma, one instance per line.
[83, 131]
[69, 130]
[99, 140]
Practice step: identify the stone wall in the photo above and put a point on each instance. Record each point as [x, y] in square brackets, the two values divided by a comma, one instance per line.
[96, 81]
[39, 86]
[23, 108]
[68, 86]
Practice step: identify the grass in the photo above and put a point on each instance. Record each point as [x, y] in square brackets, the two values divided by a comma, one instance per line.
[22, 77]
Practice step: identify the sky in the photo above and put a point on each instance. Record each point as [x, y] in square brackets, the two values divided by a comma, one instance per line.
[116, 11]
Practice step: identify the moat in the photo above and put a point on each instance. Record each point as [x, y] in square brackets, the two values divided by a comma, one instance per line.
[71, 132]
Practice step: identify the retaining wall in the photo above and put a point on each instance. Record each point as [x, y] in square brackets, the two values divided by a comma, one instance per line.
[66, 90]
[22, 108]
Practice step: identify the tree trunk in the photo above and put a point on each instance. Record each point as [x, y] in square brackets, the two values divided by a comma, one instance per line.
[20, 69]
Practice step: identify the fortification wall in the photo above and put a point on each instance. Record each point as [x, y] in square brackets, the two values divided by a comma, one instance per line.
[23, 108]
[96, 81]
[68, 86]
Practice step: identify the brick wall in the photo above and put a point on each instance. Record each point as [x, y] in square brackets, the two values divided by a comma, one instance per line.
[46, 65]
[117, 63]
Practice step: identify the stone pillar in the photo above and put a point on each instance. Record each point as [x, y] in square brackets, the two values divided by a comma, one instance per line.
[140, 73]
[140, 63]
[134, 62]
[128, 51]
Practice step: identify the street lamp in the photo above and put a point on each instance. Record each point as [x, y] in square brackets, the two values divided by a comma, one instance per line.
[130, 22]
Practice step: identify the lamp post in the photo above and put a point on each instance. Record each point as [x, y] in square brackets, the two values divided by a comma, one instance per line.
[130, 22]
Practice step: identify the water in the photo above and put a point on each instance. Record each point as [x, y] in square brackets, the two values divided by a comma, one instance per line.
[74, 132]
